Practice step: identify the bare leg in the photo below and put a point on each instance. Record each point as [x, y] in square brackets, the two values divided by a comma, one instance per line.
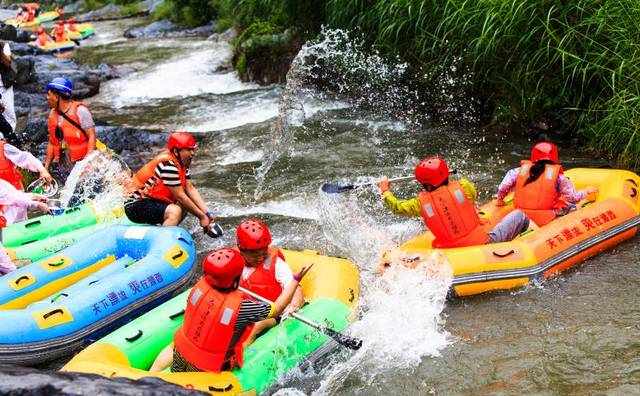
[164, 359]
[172, 215]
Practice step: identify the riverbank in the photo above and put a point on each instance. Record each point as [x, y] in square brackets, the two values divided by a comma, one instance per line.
[568, 68]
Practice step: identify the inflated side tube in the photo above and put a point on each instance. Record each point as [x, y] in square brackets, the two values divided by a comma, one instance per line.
[58, 304]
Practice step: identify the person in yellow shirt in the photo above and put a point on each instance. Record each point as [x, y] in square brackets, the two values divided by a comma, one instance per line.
[448, 208]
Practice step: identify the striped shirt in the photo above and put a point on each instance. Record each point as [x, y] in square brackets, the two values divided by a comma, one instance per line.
[168, 172]
[250, 312]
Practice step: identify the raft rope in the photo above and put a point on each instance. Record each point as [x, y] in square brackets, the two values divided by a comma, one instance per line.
[550, 262]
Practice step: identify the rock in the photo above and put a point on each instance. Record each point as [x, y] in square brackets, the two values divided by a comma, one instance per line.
[227, 35]
[156, 29]
[74, 7]
[8, 32]
[266, 58]
[150, 5]
[168, 29]
[110, 11]
[22, 49]
[23, 36]
[26, 70]
[15, 380]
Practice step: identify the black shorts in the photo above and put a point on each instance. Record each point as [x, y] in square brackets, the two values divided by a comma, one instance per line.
[146, 211]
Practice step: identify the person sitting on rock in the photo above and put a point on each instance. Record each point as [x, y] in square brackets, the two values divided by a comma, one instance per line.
[163, 188]
[266, 272]
[540, 188]
[219, 318]
[448, 209]
[72, 133]
[11, 158]
[43, 37]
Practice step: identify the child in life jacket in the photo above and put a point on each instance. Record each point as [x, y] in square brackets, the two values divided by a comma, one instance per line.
[540, 188]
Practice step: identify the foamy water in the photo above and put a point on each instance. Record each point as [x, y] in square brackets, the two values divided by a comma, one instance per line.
[183, 76]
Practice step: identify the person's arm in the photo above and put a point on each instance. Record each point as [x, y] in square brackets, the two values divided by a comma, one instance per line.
[86, 122]
[195, 196]
[26, 160]
[507, 184]
[568, 193]
[401, 207]
[189, 205]
[284, 276]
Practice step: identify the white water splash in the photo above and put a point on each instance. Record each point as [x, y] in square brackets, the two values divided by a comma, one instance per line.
[400, 311]
[182, 76]
[337, 60]
[99, 178]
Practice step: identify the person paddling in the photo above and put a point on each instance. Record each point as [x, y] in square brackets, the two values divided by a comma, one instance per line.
[162, 189]
[448, 209]
[218, 317]
[266, 272]
[540, 188]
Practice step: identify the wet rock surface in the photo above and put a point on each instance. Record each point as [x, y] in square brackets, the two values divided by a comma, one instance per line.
[17, 381]
[168, 29]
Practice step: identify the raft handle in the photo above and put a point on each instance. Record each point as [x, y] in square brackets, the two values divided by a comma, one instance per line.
[28, 242]
[20, 279]
[51, 313]
[177, 255]
[183, 239]
[634, 192]
[176, 315]
[135, 337]
[216, 389]
[32, 223]
[502, 255]
[58, 296]
[71, 210]
[56, 263]
[94, 281]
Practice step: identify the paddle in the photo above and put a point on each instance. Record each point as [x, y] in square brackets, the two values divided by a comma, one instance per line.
[337, 188]
[342, 339]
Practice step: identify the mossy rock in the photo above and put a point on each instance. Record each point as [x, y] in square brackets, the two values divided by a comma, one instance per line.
[265, 58]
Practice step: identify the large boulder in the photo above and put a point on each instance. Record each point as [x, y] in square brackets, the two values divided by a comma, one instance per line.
[167, 29]
[110, 11]
[15, 380]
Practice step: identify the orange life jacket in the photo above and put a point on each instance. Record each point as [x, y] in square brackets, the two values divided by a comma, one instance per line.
[539, 198]
[263, 279]
[451, 217]
[76, 141]
[43, 39]
[59, 33]
[158, 190]
[8, 170]
[205, 337]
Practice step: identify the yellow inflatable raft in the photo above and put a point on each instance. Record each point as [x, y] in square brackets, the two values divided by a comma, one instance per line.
[541, 252]
[331, 290]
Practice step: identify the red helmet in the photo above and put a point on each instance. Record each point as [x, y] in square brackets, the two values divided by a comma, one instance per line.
[181, 140]
[432, 170]
[222, 267]
[253, 234]
[544, 151]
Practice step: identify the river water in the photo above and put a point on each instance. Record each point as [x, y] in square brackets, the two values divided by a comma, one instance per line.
[575, 334]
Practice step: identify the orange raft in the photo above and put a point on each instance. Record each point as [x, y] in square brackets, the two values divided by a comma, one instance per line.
[543, 252]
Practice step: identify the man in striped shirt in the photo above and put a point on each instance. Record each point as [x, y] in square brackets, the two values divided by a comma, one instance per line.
[163, 189]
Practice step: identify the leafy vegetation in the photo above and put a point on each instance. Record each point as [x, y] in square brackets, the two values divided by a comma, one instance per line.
[576, 61]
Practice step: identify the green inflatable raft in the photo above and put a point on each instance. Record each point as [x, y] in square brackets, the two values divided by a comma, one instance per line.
[330, 288]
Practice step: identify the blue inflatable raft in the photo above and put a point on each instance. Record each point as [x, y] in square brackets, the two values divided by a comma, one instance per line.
[56, 305]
